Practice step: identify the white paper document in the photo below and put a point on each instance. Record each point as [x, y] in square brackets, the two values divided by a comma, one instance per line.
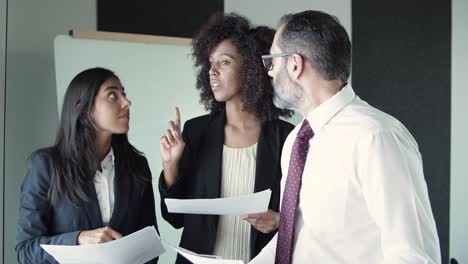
[138, 247]
[241, 205]
[202, 259]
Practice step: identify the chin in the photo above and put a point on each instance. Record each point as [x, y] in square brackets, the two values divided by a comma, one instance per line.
[220, 99]
[123, 130]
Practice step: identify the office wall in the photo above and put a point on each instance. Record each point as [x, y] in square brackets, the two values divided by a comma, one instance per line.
[3, 19]
[31, 111]
[459, 143]
[401, 65]
[164, 18]
[269, 12]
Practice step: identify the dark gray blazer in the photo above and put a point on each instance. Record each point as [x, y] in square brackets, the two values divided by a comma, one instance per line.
[41, 222]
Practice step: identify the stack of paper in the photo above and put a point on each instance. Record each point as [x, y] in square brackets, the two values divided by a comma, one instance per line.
[241, 205]
[145, 244]
[139, 247]
[202, 259]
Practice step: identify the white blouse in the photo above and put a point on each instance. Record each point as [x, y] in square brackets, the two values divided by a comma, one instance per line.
[238, 178]
[104, 185]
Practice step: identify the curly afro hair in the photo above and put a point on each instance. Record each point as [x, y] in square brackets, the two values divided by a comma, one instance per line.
[251, 42]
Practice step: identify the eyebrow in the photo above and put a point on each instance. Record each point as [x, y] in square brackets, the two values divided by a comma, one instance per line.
[113, 88]
[224, 54]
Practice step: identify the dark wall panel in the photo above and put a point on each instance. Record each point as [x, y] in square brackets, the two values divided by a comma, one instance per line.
[401, 65]
[176, 18]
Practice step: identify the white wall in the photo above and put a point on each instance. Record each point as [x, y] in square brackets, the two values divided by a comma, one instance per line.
[459, 137]
[31, 111]
[3, 5]
[269, 12]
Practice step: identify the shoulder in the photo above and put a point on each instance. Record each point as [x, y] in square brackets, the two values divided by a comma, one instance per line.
[278, 126]
[366, 123]
[141, 159]
[41, 159]
[131, 155]
[38, 174]
[200, 122]
[368, 119]
[198, 127]
[283, 125]
[143, 163]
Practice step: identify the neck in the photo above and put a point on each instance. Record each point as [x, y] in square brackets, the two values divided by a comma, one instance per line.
[321, 92]
[235, 116]
[103, 145]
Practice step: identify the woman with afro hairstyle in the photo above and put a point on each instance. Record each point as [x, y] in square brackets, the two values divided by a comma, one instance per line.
[235, 150]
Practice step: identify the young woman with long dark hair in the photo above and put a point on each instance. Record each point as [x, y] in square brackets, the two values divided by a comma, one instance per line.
[91, 186]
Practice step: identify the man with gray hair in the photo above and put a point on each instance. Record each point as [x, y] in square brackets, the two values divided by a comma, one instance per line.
[353, 185]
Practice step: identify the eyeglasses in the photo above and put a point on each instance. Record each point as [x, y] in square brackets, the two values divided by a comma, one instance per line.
[268, 59]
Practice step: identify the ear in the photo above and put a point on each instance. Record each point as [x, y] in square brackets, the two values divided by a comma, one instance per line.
[296, 67]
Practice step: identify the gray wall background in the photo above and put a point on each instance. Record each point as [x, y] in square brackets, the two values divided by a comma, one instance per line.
[31, 111]
[267, 12]
[3, 5]
[459, 136]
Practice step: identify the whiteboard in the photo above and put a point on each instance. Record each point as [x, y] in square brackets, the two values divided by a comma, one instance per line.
[156, 77]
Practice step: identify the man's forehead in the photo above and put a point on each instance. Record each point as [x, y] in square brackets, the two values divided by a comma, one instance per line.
[279, 31]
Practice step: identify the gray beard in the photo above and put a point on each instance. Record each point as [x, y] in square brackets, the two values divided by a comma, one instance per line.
[281, 103]
[288, 95]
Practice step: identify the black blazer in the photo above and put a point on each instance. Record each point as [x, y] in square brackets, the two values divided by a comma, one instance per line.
[200, 177]
[41, 222]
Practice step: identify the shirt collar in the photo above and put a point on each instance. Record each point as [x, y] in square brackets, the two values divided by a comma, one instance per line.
[325, 111]
[109, 159]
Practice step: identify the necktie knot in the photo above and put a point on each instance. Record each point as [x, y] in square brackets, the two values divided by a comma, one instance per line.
[306, 131]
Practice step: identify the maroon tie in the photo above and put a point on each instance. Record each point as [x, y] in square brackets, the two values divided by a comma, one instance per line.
[291, 194]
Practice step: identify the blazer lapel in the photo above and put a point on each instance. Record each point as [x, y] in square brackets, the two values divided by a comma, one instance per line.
[92, 206]
[211, 160]
[121, 194]
[267, 156]
[213, 156]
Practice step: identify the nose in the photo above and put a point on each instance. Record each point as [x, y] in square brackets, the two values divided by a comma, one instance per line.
[270, 73]
[126, 103]
[213, 69]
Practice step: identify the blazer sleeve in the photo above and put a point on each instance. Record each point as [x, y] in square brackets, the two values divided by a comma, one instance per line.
[177, 190]
[34, 216]
[148, 213]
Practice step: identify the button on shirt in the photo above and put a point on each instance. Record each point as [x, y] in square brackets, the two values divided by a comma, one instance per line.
[104, 185]
[363, 197]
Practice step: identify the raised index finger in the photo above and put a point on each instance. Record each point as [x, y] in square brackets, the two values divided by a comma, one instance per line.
[177, 118]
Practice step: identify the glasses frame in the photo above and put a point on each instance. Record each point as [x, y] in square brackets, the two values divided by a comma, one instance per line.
[268, 59]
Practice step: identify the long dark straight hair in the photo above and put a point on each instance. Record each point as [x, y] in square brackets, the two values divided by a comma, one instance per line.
[73, 158]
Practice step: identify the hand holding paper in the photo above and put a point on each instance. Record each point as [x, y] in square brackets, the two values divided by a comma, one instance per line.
[138, 247]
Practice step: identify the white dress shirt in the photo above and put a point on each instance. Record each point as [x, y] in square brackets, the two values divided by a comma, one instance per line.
[104, 185]
[363, 197]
